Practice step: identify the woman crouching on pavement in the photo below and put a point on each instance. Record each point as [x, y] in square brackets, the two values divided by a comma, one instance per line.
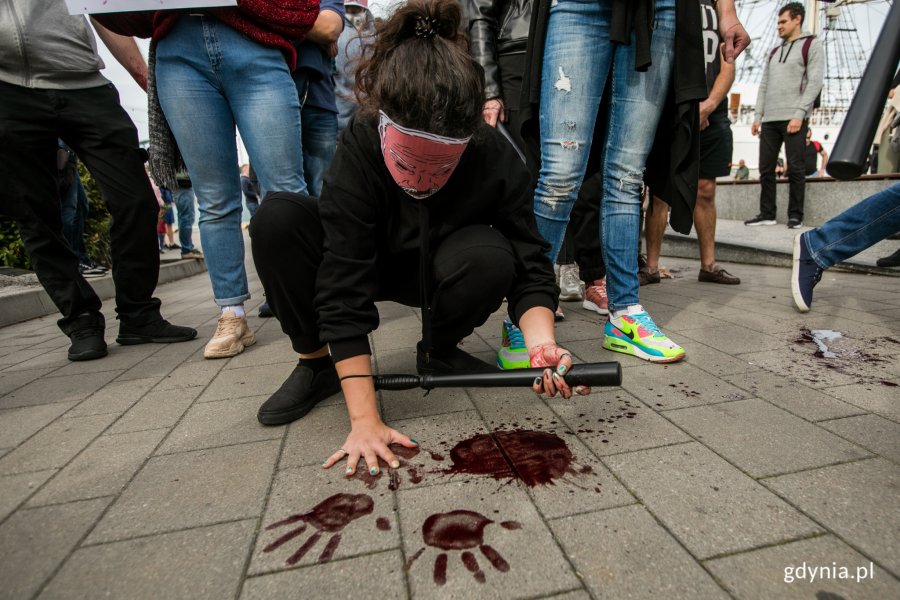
[423, 205]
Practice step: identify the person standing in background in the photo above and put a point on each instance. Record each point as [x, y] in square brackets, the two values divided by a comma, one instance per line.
[791, 82]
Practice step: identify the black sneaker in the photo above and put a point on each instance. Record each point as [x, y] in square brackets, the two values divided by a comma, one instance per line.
[155, 332]
[452, 360]
[794, 224]
[87, 344]
[889, 261]
[264, 311]
[91, 270]
[759, 220]
[301, 391]
[805, 274]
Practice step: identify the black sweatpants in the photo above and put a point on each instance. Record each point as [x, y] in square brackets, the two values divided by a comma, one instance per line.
[472, 270]
[92, 122]
[771, 136]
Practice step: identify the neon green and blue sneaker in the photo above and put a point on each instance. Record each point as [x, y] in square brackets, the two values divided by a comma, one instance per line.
[635, 333]
[513, 353]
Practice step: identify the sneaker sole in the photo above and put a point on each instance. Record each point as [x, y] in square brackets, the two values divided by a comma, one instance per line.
[133, 340]
[591, 306]
[90, 355]
[795, 277]
[242, 345]
[761, 223]
[614, 345]
[571, 297]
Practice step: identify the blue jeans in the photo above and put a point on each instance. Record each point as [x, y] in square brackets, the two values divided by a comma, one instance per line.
[184, 203]
[857, 228]
[319, 127]
[73, 210]
[578, 59]
[211, 78]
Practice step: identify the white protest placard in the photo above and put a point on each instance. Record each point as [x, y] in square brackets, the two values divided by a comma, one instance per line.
[77, 7]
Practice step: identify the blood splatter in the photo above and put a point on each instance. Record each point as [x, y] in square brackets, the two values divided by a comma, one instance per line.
[461, 530]
[331, 515]
[534, 457]
[403, 454]
[383, 524]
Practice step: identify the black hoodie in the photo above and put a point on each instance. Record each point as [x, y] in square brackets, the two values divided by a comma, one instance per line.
[368, 220]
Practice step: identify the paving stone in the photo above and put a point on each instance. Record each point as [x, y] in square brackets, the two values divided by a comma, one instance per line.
[521, 572]
[221, 423]
[55, 445]
[34, 542]
[191, 489]
[872, 432]
[870, 397]
[374, 576]
[14, 489]
[201, 563]
[414, 403]
[115, 397]
[17, 356]
[625, 553]
[678, 385]
[341, 518]
[614, 421]
[19, 424]
[48, 390]
[313, 438]
[388, 338]
[46, 358]
[573, 595]
[710, 506]
[734, 339]
[175, 366]
[762, 439]
[120, 358]
[248, 381]
[275, 352]
[585, 485]
[796, 398]
[156, 410]
[102, 469]
[686, 321]
[853, 501]
[765, 573]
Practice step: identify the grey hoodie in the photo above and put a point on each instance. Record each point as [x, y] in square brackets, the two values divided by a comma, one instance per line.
[43, 46]
[788, 88]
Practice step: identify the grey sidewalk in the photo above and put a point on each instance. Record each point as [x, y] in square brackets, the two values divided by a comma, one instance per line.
[146, 475]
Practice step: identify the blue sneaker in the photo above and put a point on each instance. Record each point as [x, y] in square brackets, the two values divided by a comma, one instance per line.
[636, 334]
[805, 274]
[513, 353]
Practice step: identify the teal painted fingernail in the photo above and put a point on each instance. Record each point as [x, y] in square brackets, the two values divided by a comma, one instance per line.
[324, 462]
[395, 464]
[561, 369]
[416, 442]
[373, 471]
[537, 381]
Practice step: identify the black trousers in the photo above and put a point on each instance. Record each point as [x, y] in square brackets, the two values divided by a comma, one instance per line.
[771, 136]
[472, 270]
[92, 122]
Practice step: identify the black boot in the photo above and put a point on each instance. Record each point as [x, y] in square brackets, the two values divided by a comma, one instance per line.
[450, 360]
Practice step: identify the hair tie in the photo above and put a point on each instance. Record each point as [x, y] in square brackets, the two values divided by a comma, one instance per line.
[425, 27]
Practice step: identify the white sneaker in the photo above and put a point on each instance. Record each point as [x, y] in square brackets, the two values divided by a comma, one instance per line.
[231, 337]
[569, 284]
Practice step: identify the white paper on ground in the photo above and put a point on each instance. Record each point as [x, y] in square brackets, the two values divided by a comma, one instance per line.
[77, 7]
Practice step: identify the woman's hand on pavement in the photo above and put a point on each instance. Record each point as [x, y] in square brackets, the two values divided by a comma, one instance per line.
[369, 439]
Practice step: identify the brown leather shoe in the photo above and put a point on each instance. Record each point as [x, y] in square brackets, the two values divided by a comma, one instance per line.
[645, 276]
[718, 275]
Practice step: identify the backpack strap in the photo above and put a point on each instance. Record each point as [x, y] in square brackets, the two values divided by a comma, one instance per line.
[804, 52]
[772, 53]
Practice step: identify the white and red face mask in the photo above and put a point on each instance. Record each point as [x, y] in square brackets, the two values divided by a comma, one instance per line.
[420, 162]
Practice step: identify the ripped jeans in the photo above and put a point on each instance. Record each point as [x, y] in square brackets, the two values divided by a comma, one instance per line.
[578, 58]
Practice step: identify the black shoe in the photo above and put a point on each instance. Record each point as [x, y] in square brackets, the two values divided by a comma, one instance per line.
[301, 391]
[452, 360]
[264, 311]
[794, 224]
[156, 332]
[806, 273]
[87, 344]
[889, 261]
[893, 236]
